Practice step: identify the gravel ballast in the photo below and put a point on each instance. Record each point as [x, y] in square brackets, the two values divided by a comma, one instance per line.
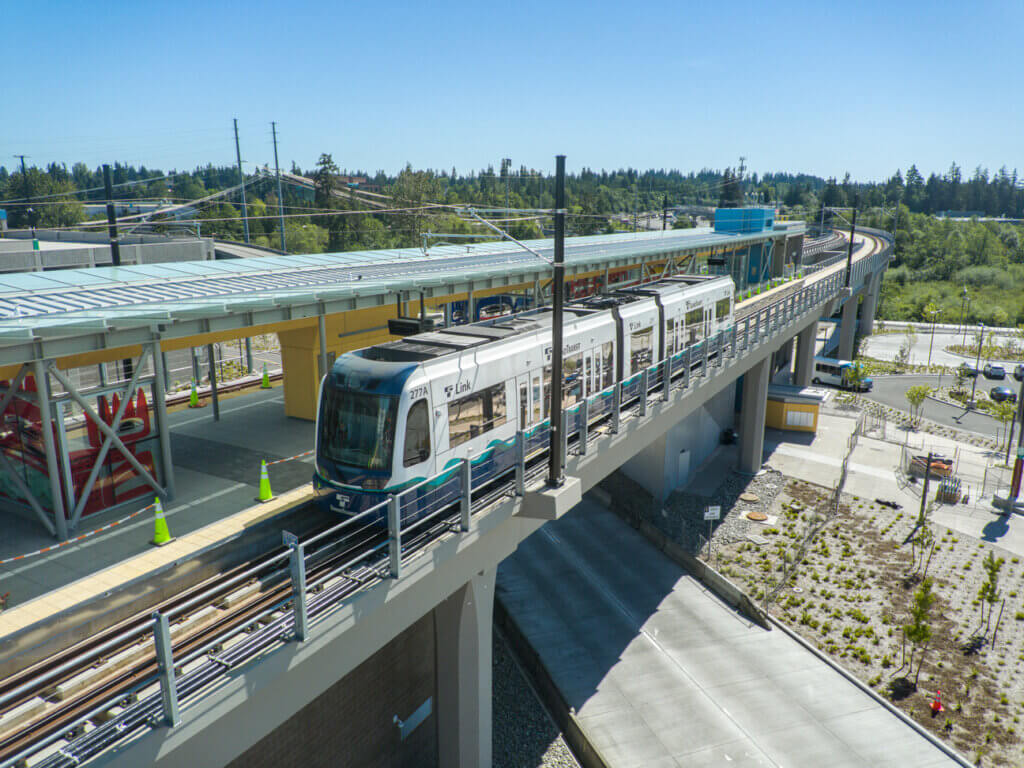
[524, 736]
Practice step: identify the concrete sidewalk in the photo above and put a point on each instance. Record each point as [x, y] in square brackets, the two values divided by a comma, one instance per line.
[872, 474]
[660, 673]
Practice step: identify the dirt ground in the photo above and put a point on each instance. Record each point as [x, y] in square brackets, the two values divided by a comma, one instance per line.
[850, 595]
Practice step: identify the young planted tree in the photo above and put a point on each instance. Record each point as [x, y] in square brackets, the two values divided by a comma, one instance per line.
[919, 630]
[916, 396]
[856, 375]
[989, 592]
[1005, 412]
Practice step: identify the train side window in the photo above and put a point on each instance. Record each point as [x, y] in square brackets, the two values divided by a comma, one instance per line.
[572, 381]
[607, 365]
[417, 434]
[524, 409]
[474, 414]
[670, 336]
[722, 308]
[640, 347]
[537, 398]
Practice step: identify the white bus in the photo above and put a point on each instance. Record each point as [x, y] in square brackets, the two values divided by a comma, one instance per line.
[828, 370]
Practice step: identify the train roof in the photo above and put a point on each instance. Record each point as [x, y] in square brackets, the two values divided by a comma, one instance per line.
[429, 345]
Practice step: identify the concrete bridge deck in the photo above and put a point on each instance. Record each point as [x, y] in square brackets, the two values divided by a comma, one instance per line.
[661, 673]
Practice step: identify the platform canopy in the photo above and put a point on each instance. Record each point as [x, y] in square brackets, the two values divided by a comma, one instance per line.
[176, 299]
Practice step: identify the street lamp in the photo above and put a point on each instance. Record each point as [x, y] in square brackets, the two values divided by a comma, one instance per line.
[977, 364]
[964, 301]
[931, 343]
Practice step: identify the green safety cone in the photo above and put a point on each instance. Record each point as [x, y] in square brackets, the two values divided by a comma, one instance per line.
[265, 384]
[193, 399]
[265, 493]
[161, 534]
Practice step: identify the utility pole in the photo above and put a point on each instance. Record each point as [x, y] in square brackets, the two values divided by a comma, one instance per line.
[508, 172]
[280, 198]
[636, 192]
[739, 180]
[115, 248]
[1018, 464]
[849, 251]
[963, 309]
[977, 364]
[555, 478]
[664, 212]
[241, 179]
[24, 189]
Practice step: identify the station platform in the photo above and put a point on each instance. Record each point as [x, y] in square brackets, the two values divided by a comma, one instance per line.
[217, 468]
[661, 673]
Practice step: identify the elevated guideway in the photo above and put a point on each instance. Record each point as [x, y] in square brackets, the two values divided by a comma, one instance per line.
[221, 705]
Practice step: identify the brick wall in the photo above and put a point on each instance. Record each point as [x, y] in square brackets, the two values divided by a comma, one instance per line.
[352, 723]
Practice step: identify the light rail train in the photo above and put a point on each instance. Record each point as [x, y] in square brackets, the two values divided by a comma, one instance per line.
[393, 415]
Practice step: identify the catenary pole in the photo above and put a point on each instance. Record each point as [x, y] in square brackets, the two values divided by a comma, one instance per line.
[849, 250]
[115, 249]
[555, 477]
[241, 180]
[280, 198]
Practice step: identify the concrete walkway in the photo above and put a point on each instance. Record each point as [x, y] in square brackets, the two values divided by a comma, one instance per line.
[661, 673]
[872, 474]
[217, 468]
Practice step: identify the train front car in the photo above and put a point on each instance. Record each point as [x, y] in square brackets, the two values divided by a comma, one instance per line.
[364, 404]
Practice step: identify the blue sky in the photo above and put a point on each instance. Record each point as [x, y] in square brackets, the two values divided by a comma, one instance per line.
[826, 88]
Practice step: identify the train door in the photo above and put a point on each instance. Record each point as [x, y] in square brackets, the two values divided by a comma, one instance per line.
[588, 372]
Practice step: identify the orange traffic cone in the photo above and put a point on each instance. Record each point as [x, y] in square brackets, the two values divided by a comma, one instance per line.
[937, 703]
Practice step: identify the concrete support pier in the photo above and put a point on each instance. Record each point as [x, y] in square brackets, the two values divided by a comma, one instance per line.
[805, 343]
[755, 403]
[463, 642]
[670, 460]
[848, 328]
[867, 311]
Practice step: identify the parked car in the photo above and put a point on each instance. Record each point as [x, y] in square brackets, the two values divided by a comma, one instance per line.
[968, 370]
[994, 371]
[1018, 372]
[1003, 394]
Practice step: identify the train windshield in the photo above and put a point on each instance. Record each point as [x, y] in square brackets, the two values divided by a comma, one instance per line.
[358, 429]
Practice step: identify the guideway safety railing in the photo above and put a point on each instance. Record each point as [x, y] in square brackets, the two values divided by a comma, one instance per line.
[414, 517]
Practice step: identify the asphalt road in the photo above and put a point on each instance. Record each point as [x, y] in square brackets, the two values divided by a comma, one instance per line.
[891, 391]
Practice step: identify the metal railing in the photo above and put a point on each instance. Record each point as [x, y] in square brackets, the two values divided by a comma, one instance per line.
[444, 503]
